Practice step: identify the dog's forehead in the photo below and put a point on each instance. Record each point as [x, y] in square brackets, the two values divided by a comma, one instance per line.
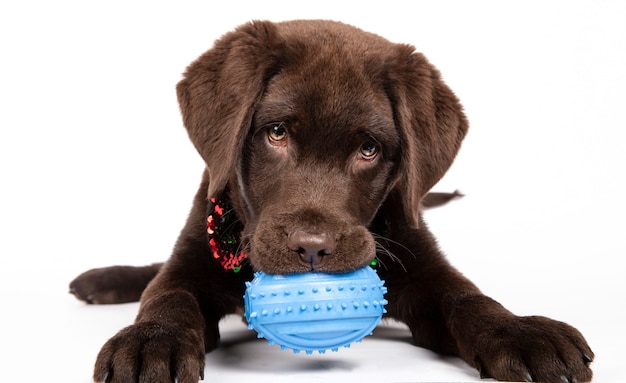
[327, 92]
[330, 65]
[322, 35]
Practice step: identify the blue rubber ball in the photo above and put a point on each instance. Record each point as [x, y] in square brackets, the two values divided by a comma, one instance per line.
[315, 311]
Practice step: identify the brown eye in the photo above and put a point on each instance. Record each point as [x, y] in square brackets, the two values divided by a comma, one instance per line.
[368, 151]
[277, 135]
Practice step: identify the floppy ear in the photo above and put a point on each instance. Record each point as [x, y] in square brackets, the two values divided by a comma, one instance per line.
[219, 91]
[431, 122]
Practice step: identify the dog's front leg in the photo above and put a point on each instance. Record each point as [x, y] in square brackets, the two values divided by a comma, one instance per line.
[179, 314]
[165, 344]
[448, 313]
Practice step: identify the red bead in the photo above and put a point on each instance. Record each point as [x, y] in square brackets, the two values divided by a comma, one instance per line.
[218, 209]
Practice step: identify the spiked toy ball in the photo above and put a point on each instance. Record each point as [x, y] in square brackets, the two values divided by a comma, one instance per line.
[315, 311]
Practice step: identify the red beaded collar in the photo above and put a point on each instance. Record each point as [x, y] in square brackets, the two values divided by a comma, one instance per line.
[224, 231]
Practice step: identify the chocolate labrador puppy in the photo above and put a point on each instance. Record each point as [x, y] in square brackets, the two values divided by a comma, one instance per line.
[321, 142]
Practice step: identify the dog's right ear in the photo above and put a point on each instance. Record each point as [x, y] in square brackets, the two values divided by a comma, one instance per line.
[219, 91]
[432, 124]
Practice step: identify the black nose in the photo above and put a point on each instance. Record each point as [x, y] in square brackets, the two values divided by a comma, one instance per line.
[312, 246]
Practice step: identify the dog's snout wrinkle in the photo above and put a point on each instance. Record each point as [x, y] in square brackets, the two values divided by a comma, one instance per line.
[312, 246]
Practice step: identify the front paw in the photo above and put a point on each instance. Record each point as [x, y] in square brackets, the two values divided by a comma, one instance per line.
[531, 349]
[151, 352]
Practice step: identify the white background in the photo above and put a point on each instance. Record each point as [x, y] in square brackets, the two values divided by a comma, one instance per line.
[96, 170]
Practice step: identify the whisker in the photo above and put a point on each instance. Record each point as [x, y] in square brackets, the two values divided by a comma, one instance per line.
[378, 237]
[382, 249]
[393, 258]
[244, 243]
[234, 222]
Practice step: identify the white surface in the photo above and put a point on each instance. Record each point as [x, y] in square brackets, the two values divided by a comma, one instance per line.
[96, 170]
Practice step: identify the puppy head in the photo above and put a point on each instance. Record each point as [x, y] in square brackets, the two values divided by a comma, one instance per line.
[312, 125]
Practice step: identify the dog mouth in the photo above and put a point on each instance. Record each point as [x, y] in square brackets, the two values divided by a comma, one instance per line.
[287, 244]
[313, 266]
[275, 250]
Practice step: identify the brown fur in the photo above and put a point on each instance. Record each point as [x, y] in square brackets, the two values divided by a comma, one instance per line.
[307, 201]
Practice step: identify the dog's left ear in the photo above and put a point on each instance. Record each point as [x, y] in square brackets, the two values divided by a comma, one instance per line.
[431, 122]
[219, 91]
